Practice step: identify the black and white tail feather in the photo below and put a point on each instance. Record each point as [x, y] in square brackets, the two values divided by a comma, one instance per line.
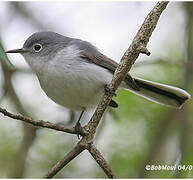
[161, 93]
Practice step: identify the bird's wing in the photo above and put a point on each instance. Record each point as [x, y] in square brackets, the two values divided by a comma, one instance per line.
[107, 63]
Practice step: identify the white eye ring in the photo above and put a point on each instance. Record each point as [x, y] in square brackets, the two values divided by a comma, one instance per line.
[37, 47]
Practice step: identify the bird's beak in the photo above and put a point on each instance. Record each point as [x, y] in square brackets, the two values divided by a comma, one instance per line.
[17, 51]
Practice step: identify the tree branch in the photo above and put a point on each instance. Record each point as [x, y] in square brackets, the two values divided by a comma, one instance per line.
[67, 158]
[101, 161]
[67, 129]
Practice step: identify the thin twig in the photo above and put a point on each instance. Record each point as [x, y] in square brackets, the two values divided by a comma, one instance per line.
[67, 129]
[67, 158]
[101, 161]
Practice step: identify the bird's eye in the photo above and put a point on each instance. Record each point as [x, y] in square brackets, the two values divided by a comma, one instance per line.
[37, 47]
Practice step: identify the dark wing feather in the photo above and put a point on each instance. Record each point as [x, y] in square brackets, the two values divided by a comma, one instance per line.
[107, 63]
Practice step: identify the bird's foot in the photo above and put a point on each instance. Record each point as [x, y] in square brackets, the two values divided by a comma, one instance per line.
[78, 129]
[109, 91]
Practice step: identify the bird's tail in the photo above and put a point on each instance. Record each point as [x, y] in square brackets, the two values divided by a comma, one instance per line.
[161, 93]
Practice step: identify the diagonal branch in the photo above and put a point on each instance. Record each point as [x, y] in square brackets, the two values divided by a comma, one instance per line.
[67, 158]
[101, 161]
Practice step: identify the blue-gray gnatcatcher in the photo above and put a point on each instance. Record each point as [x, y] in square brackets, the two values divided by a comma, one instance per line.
[73, 73]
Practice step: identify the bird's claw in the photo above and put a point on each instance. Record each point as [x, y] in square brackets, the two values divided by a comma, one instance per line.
[78, 129]
[109, 91]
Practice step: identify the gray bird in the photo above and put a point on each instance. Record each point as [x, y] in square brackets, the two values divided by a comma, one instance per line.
[74, 74]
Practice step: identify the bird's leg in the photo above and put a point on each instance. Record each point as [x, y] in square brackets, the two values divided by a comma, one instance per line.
[78, 127]
[109, 91]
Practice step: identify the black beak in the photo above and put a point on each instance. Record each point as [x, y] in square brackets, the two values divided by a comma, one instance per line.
[17, 51]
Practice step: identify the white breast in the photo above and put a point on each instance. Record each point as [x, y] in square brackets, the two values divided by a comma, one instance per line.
[72, 82]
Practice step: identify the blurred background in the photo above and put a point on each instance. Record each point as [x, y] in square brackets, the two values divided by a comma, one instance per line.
[136, 134]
